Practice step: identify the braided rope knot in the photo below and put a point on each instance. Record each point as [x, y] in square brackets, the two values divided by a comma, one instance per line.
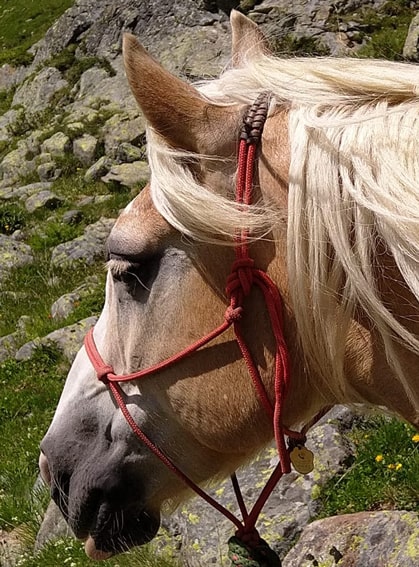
[254, 121]
[102, 373]
[241, 277]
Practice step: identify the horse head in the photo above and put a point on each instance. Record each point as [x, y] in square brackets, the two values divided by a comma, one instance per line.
[169, 256]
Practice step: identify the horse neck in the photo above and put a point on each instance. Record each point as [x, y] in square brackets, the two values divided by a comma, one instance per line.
[382, 371]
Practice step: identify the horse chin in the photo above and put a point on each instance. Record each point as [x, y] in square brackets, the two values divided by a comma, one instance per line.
[103, 542]
[94, 553]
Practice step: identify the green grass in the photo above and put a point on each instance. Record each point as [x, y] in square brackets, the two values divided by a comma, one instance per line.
[6, 98]
[73, 67]
[70, 552]
[73, 186]
[301, 47]
[384, 474]
[30, 391]
[383, 30]
[38, 285]
[52, 234]
[12, 217]
[390, 31]
[24, 22]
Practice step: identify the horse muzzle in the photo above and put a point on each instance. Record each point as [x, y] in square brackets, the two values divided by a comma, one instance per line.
[105, 513]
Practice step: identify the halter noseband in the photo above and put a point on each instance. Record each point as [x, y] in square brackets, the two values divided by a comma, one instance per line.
[243, 276]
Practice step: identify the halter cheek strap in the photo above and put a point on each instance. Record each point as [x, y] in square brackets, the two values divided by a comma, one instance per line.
[243, 277]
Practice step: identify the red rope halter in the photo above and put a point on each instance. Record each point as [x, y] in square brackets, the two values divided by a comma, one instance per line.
[244, 275]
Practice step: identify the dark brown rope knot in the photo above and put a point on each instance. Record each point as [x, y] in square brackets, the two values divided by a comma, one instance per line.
[255, 119]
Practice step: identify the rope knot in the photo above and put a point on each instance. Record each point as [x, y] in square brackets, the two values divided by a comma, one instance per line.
[241, 276]
[233, 314]
[256, 115]
[102, 373]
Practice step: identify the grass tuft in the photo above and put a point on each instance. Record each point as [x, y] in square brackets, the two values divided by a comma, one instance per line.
[12, 217]
[384, 474]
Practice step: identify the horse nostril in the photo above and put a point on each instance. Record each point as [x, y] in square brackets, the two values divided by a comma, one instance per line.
[44, 468]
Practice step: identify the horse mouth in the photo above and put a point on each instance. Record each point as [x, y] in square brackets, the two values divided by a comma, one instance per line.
[117, 531]
[108, 529]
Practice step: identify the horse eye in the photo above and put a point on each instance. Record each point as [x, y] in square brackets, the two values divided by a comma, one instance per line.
[137, 273]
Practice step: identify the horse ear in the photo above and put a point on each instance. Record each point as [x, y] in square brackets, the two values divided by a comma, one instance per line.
[175, 109]
[247, 41]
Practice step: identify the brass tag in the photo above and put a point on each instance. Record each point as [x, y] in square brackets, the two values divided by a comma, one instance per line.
[302, 459]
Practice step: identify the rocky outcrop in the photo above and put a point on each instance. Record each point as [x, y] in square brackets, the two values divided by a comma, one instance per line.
[202, 533]
[85, 148]
[11, 547]
[68, 340]
[9, 344]
[128, 174]
[365, 539]
[88, 247]
[193, 37]
[93, 121]
[66, 304]
[36, 93]
[12, 255]
[43, 200]
[190, 39]
[411, 46]
[97, 28]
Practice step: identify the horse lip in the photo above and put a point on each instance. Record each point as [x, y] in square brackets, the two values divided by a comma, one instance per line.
[102, 540]
[114, 528]
[137, 529]
[94, 553]
[44, 469]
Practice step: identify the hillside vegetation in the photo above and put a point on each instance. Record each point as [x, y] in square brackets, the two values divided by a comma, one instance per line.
[384, 470]
[24, 22]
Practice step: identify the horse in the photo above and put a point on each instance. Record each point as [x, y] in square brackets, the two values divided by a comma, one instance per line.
[332, 232]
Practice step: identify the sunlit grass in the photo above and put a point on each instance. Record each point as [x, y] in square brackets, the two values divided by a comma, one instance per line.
[30, 391]
[24, 22]
[71, 553]
[384, 473]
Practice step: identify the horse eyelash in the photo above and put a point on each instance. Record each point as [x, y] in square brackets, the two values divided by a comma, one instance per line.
[118, 267]
[122, 267]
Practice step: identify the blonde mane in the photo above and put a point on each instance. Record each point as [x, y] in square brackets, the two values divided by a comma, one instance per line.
[353, 188]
